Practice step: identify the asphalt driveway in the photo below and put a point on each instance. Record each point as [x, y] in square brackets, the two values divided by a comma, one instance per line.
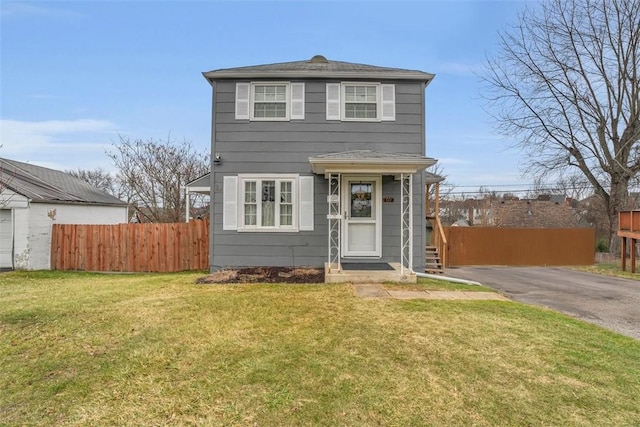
[610, 302]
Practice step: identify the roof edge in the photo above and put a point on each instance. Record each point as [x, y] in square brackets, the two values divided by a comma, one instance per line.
[319, 74]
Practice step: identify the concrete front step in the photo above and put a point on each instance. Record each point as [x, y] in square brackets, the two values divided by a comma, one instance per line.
[369, 276]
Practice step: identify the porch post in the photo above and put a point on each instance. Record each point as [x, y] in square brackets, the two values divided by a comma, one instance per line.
[406, 223]
[334, 218]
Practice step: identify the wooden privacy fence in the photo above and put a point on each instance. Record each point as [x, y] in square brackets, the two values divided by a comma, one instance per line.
[131, 247]
[520, 246]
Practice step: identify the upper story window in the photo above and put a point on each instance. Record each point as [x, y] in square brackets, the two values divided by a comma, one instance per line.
[270, 101]
[360, 101]
[355, 101]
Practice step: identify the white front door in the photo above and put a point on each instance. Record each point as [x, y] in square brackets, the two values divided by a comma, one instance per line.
[362, 205]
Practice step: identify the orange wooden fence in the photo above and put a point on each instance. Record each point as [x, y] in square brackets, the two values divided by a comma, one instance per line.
[520, 246]
[131, 247]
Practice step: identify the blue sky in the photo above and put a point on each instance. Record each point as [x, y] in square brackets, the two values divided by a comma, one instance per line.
[75, 74]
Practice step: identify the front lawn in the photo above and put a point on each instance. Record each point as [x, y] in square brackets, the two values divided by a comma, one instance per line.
[90, 349]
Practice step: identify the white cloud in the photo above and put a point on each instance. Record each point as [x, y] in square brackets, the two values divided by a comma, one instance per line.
[30, 9]
[69, 144]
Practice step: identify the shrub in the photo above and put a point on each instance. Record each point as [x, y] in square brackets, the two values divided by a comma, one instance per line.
[602, 245]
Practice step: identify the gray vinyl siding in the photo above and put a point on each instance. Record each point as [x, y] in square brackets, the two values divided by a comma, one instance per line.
[285, 147]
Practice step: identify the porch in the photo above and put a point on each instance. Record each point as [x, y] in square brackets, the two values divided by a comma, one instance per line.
[628, 228]
[395, 273]
[355, 212]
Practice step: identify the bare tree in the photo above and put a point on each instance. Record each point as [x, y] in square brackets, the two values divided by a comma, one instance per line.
[566, 84]
[98, 178]
[155, 173]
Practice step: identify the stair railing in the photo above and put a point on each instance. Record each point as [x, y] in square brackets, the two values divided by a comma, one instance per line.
[439, 240]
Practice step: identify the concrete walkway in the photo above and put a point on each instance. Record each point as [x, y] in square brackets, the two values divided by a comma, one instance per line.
[377, 291]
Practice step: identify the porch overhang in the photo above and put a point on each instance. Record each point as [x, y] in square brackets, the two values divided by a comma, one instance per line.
[369, 162]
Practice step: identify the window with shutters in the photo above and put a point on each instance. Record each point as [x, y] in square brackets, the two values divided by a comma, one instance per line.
[259, 202]
[355, 101]
[267, 203]
[270, 101]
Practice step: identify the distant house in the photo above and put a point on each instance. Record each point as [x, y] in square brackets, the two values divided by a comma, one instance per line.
[318, 162]
[545, 211]
[32, 198]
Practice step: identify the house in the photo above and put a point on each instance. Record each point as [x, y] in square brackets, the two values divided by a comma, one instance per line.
[32, 198]
[546, 211]
[319, 163]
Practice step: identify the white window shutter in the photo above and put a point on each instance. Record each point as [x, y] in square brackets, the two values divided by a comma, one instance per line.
[333, 101]
[297, 101]
[243, 92]
[305, 190]
[388, 102]
[230, 203]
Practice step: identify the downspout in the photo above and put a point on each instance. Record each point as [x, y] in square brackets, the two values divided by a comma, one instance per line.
[448, 279]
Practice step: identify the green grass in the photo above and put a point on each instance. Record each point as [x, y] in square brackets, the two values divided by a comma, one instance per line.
[89, 349]
[611, 269]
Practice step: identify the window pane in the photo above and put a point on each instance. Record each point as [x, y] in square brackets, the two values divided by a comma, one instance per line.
[270, 109]
[286, 215]
[360, 111]
[250, 207]
[371, 93]
[286, 206]
[361, 200]
[285, 192]
[268, 203]
[270, 101]
[361, 102]
[250, 216]
[250, 192]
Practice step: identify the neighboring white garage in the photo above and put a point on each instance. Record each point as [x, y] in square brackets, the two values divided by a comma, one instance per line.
[33, 198]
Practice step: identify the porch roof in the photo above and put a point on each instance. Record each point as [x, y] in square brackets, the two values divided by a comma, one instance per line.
[370, 161]
[200, 185]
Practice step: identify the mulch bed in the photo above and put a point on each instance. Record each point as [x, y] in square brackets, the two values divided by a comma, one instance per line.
[265, 275]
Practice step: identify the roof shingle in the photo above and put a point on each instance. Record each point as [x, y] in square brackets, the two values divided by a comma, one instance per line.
[318, 67]
[41, 184]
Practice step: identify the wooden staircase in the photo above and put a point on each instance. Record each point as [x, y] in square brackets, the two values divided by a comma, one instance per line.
[433, 263]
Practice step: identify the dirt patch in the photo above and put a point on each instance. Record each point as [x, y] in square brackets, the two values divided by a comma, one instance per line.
[265, 275]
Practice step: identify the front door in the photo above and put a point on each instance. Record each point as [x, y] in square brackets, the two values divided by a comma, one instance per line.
[362, 203]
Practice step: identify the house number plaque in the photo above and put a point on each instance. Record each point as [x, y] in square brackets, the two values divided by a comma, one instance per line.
[387, 199]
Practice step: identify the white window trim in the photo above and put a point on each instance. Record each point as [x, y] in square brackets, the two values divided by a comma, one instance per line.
[343, 102]
[242, 178]
[252, 98]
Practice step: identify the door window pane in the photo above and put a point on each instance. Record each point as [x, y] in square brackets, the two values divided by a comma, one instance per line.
[361, 203]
